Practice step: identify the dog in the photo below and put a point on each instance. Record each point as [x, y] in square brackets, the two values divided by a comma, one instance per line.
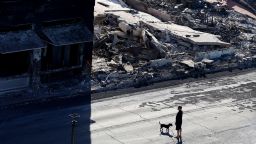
[166, 126]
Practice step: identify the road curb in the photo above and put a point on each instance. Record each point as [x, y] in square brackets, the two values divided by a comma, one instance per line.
[82, 97]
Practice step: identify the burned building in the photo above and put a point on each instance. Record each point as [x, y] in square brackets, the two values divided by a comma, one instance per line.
[44, 41]
[199, 44]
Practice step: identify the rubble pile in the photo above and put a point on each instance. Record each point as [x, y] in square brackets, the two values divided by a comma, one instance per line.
[212, 18]
[133, 48]
[122, 54]
[161, 4]
[235, 28]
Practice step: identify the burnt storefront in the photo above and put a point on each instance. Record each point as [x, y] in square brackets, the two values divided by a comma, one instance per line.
[44, 41]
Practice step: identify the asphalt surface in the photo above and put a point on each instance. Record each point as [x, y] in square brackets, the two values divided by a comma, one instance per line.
[216, 111]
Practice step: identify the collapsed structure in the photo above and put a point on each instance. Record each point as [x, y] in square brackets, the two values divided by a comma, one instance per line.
[199, 44]
[43, 42]
[158, 40]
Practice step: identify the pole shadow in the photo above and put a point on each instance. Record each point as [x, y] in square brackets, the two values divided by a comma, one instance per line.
[47, 123]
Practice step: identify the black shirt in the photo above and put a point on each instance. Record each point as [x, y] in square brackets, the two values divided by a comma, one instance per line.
[179, 117]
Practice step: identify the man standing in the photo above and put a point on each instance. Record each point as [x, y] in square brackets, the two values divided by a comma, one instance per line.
[178, 122]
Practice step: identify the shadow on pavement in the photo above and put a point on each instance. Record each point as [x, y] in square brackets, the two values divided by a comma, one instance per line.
[47, 123]
[166, 134]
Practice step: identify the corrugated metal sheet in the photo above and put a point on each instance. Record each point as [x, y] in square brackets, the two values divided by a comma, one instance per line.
[67, 34]
[16, 41]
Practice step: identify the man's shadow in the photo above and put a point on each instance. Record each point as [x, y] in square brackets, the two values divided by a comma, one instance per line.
[179, 142]
[170, 136]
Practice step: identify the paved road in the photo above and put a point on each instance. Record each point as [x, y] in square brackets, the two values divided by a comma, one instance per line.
[216, 111]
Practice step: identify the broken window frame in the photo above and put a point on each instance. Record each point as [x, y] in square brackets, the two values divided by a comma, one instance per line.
[48, 66]
[21, 64]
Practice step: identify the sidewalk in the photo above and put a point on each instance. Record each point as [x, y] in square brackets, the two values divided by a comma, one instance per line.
[63, 93]
[53, 92]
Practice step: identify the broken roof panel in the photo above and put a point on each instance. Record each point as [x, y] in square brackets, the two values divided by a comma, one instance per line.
[15, 41]
[121, 10]
[181, 32]
[189, 63]
[67, 34]
[188, 34]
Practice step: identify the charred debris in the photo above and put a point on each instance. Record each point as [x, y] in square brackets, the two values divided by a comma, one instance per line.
[137, 42]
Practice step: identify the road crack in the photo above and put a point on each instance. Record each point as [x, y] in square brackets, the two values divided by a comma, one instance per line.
[143, 118]
[114, 137]
[107, 129]
[211, 130]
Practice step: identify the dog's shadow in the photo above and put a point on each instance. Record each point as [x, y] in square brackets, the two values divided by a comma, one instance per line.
[166, 134]
[171, 136]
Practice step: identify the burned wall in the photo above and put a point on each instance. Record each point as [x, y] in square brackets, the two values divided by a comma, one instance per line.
[17, 12]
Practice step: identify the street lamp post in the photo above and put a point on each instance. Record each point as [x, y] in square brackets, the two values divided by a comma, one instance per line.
[74, 116]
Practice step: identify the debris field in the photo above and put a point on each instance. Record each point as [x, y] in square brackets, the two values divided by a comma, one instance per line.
[137, 42]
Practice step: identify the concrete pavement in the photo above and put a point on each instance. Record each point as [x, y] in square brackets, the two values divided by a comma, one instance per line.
[216, 111]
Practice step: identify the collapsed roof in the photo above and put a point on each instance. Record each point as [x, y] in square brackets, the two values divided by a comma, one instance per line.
[119, 9]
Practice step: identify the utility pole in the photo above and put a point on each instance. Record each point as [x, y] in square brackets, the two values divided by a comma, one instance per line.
[74, 121]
